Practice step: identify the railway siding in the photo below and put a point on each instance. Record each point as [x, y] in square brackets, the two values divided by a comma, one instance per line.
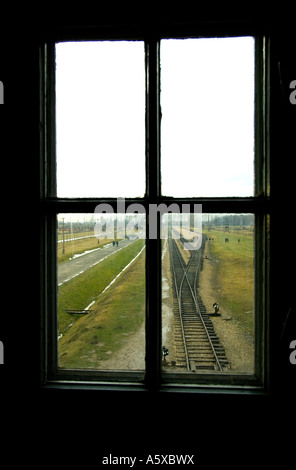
[197, 345]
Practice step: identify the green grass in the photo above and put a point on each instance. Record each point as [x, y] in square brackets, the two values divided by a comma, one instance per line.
[116, 314]
[79, 292]
[234, 275]
[79, 246]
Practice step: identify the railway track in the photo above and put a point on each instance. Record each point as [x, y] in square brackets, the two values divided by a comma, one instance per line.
[197, 345]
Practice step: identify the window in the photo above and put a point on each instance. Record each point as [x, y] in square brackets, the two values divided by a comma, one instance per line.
[154, 211]
[101, 292]
[207, 103]
[100, 119]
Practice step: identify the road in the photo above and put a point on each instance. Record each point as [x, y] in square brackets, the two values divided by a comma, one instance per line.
[70, 269]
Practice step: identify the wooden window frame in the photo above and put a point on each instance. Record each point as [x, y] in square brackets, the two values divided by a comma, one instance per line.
[50, 206]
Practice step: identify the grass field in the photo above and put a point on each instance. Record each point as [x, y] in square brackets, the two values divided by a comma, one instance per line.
[78, 245]
[87, 340]
[234, 274]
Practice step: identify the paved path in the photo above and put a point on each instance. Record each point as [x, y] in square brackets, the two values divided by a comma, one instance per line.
[79, 265]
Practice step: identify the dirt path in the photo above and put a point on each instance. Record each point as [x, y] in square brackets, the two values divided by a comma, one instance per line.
[132, 354]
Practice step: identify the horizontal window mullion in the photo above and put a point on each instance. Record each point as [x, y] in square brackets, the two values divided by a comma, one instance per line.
[87, 204]
[222, 205]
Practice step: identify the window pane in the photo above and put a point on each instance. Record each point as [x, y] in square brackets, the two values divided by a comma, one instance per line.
[100, 119]
[208, 295]
[101, 291]
[207, 128]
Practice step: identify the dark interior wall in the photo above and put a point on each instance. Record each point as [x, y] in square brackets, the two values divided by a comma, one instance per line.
[282, 152]
[225, 427]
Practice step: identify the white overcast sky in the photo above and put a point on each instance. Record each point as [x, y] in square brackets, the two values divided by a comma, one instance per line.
[207, 128]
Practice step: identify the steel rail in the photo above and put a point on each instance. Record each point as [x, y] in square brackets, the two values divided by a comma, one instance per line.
[184, 280]
[179, 300]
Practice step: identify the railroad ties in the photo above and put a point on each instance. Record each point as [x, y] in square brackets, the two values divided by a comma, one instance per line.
[197, 345]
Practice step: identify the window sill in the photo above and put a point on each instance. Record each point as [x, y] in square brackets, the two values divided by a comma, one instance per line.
[170, 388]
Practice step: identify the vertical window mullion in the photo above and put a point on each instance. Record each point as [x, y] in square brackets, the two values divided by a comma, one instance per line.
[50, 143]
[51, 217]
[48, 219]
[52, 318]
[153, 246]
[259, 124]
[261, 289]
[261, 220]
[153, 189]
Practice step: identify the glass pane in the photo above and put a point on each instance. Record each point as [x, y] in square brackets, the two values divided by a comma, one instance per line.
[208, 295]
[100, 119]
[101, 291]
[207, 128]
